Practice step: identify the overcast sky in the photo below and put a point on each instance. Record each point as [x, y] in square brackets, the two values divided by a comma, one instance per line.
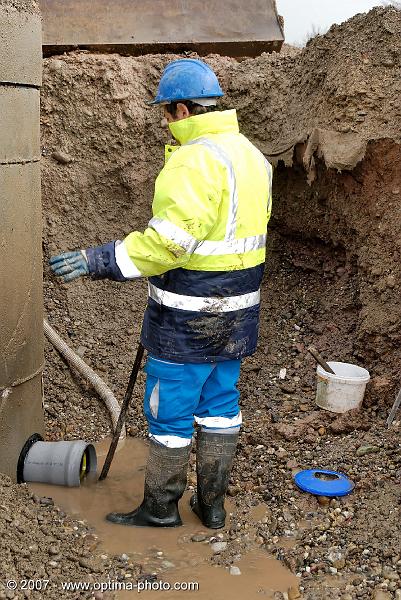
[301, 15]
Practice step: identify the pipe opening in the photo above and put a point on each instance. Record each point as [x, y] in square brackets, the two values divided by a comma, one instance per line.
[36, 437]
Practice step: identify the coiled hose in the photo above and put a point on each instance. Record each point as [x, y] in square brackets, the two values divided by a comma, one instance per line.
[85, 370]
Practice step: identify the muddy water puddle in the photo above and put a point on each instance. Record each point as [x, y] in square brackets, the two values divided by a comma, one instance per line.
[168, 552]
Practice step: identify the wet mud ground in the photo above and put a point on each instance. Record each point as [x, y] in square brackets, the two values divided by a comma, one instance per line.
[170, 555]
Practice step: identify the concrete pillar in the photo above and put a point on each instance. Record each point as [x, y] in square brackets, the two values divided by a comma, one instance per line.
[21, 286]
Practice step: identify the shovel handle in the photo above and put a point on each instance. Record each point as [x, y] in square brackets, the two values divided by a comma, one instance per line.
[123, 412]
[319, 358]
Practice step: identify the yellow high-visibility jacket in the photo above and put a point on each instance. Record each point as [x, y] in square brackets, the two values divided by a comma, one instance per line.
[204, 248]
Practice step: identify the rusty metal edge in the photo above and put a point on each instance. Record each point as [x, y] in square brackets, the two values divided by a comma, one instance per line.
[234, 49]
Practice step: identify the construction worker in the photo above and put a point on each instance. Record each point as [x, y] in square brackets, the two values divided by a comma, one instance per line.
[203, 254]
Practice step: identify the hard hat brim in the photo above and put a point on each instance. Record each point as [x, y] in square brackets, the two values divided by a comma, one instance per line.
[207, 101]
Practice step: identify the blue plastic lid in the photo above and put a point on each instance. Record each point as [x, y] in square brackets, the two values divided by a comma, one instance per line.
[324, 483]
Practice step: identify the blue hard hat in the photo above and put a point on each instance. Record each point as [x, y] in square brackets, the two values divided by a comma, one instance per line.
[187, 79]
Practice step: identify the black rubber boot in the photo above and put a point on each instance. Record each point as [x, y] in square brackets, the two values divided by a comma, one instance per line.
[165, 482]
[214, 457]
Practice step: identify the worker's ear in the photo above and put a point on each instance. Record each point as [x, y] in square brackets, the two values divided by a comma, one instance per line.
[182, 112]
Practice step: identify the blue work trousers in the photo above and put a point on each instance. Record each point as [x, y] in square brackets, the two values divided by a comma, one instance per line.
[177, 394]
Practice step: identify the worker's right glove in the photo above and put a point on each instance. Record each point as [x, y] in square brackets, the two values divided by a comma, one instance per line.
[70, 265]
[98, 262]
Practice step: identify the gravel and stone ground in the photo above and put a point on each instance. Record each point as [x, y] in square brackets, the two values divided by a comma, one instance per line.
[333, 278]
[42, 548]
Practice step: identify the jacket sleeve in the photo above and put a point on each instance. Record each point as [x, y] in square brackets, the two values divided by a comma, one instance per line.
[185, 209]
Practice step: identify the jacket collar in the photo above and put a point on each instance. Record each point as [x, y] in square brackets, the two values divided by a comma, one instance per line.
[192, 128]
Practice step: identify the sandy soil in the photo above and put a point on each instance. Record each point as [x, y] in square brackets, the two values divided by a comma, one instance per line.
[29, 6]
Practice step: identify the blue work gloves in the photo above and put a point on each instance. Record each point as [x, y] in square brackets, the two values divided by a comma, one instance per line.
[98, 262]
[70, 265]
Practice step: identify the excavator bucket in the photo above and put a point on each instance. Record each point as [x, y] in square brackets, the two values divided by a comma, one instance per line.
[228, 27]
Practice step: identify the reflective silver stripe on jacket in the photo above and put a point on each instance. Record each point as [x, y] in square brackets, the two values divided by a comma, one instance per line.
[226, 160]
[201, 304]
[269, 169]
[174, 233]
[125, 262]
[206, 247]
[230, 244]
[240, 246]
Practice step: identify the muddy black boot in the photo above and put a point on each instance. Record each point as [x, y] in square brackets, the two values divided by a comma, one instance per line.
[165, 482]
[214, 457]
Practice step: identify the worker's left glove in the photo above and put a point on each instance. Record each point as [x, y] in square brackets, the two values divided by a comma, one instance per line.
[70, 265]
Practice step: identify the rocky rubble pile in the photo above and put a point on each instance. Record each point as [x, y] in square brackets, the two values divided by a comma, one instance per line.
[346, 81]
[40, 543]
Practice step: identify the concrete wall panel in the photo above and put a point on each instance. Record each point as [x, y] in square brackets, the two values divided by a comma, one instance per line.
[19, 125]
[21, 278]
[21, 288]
[21, 415]
[20, 45]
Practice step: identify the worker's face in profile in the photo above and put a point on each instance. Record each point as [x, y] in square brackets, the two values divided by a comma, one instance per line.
[182, 112]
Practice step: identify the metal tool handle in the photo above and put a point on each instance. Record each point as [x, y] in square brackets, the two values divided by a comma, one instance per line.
[393, 412]
[123, 413]
[319, 358]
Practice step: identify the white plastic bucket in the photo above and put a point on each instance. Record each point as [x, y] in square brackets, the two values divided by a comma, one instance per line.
[343, 391]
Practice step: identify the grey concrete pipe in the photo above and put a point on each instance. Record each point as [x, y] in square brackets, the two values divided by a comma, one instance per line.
[57, 463]
[21, 289]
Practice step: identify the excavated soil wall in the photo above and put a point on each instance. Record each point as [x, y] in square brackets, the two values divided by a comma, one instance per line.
[354, 213]
[329, 119]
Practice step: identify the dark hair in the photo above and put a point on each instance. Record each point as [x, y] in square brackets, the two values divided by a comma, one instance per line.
[194, 109]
